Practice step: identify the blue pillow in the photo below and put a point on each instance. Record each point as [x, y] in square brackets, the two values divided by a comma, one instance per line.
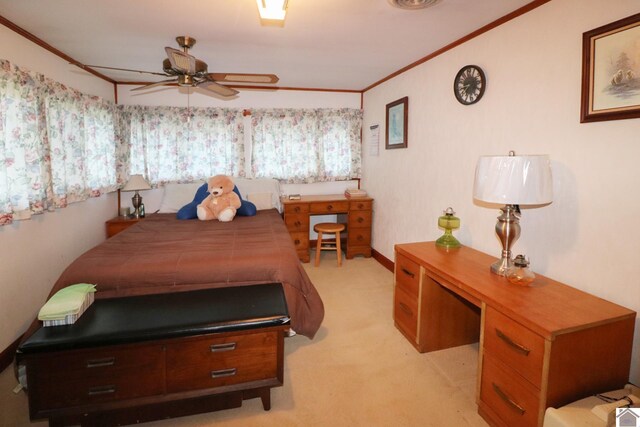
[190, 210]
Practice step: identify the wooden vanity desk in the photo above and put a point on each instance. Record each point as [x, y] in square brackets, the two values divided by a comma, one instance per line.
[544, 345]
[358, 212]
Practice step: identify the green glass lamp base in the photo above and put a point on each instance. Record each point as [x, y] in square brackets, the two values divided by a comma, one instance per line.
[448, 241]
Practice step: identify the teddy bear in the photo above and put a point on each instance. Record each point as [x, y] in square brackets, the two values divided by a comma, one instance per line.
[222, 201]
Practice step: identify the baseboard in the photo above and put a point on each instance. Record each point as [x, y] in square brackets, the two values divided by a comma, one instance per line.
[7, 355]
[386, 262]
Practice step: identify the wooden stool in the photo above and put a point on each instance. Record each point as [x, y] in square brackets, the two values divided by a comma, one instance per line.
[328, 227]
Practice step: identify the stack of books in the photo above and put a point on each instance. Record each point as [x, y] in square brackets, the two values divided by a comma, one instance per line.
[354, 192]
[67, 305]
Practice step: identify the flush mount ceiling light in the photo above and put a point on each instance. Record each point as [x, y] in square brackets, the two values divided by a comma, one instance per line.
[412, 4]
[272, 11]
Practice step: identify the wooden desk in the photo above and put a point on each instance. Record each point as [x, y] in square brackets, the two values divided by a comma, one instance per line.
[358, 218]
[544, 345]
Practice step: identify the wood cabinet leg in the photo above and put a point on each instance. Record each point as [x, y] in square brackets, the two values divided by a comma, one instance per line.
[265, 396]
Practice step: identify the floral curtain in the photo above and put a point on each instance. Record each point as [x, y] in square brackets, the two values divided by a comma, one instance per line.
[171, 144]
[301, 146]
[49, 135]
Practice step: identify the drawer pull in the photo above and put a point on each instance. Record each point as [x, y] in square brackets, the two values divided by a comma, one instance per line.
[297, 209]
[330, 207]
[297, 242]
[406, 309]
[223, 373]
[297, 223]
[99, 363]
[360, 205]
[360, 219]
[101, 390]
[517, 347]
[408, 273]
[215, 348]
[507, 399]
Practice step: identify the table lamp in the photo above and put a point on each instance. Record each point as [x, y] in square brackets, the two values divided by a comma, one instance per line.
[136, 183]
[512, 181]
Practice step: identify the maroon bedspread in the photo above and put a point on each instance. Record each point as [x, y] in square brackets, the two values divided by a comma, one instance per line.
[162, 254]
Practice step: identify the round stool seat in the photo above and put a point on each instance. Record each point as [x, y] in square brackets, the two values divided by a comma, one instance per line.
[328, 227]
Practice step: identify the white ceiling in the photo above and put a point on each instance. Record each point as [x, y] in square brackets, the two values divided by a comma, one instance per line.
[328, 44]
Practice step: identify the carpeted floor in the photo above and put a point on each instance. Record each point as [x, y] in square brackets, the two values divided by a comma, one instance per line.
[358, 371]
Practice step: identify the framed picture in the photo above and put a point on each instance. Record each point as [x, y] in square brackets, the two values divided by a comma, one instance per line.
[611, 71]
[397, 120]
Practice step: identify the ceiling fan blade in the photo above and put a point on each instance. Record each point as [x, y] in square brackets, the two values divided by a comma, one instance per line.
[125, 69]
[244, 78]
[181, 61]
[216, 88]
[160, 83]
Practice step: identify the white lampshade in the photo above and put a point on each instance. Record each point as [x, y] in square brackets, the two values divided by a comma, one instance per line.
[136, 183]
[514, 180]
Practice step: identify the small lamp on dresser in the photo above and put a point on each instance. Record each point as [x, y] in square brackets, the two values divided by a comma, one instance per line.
[136, 183]
[512, 181]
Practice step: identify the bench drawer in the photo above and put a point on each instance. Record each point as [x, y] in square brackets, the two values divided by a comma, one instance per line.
[94, 376]
[208, 362]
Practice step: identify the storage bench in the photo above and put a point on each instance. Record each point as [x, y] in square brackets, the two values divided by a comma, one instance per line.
[139, 358]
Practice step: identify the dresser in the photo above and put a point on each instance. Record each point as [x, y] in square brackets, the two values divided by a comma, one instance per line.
[355, 212]
[544, 345]
[135, 359]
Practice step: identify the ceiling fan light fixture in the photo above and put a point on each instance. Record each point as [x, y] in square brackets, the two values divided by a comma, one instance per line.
[272, 10]
[413, 4]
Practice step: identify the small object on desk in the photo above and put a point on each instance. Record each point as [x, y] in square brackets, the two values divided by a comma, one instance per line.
[354, 192]
[294, 197]
[519, 273]
[449, 222]
[142, 210]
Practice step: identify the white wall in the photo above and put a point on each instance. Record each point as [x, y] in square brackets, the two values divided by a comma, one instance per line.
[35, 252]
[587, 237]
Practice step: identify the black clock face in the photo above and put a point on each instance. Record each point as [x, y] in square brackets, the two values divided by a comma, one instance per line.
[469, 85]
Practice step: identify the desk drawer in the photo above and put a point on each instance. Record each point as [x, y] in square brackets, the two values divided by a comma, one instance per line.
[300, 240]
[208, 362]
[405, 313]
[361, 205]
[329, 207]
[83, 377]
[297, 222]
[359, 237]
[296, 208]
[515, 345]
[514, 400]
[407, 275]
[360, 219]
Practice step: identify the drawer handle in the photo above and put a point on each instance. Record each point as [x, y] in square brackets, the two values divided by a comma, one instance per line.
[223, 373]
[215, 348]
[99, 363]
[517, 347]
[408, 273]
[297, 209]
[360, 205]
[360, 219]
[507, 399]
[330, 207]
[297, 241]
[297, 223]
[359, 237]
[101, 390]
[406, 309]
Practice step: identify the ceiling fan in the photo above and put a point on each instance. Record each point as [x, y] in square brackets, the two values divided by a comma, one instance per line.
[188, 71]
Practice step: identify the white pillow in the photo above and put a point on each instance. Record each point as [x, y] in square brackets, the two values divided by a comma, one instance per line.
[261, 200]
[177, 195]
[260, 185]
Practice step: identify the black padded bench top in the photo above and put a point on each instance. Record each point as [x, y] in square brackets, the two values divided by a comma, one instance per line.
[150, 317]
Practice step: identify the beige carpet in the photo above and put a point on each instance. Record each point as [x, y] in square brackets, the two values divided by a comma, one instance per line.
[358, 371]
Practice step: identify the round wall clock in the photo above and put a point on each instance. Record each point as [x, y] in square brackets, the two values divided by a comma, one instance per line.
[469, 84]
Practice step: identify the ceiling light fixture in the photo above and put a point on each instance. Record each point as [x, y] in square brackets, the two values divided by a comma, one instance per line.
[412, 4]
[272, 11]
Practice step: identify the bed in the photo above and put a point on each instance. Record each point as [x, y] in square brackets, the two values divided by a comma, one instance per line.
[162, 254]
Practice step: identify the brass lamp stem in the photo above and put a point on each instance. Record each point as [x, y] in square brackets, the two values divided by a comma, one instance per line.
[508, 231]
